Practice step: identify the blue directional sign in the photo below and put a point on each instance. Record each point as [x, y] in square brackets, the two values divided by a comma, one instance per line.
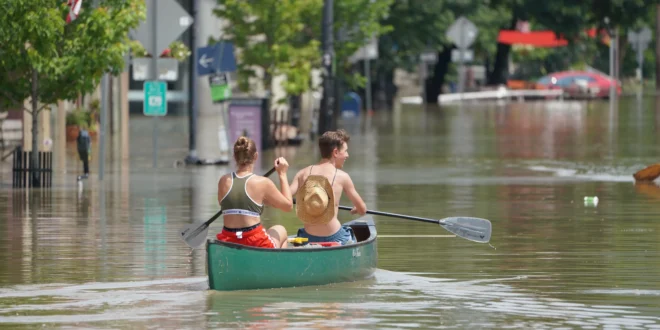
[218, 57]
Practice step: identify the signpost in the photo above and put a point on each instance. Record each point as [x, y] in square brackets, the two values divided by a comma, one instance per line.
[463, 33]
[165, 22]
[640, 41]
[155, 96]
[216, 58]
[217, 61]
[220, 89]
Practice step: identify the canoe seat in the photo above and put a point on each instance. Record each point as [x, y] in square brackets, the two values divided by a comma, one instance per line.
[361, 232]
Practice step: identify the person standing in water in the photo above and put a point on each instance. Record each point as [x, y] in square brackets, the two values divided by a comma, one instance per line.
[84, 142]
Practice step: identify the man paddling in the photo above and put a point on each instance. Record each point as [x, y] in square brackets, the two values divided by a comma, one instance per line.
[318, 189]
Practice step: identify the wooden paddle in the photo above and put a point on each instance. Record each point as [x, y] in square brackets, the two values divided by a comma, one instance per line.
[195, 234]
[649, 173]
[472, 229]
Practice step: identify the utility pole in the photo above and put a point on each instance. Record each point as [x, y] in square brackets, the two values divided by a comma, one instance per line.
[610, 32]
[192, 92]
[326, 116]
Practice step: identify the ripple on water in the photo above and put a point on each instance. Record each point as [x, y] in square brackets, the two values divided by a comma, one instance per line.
[391, 299]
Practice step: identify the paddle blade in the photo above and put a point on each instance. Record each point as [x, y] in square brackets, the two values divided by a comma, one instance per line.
[194, 234]
[473, 229]
[649, 173]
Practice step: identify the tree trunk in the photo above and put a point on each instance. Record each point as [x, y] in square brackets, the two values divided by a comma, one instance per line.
[268, 83]
[35, 129]
[500, 72]
[621, 53]
[657, 47]
[435, 82]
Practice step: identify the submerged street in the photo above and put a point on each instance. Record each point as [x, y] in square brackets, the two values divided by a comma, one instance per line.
[109, 256]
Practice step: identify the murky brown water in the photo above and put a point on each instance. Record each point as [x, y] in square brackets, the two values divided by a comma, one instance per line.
[109, 256]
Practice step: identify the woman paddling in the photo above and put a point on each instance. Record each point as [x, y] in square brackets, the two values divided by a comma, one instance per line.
[242, 196]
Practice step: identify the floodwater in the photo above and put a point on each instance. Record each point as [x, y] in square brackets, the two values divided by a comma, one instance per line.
[108, 255]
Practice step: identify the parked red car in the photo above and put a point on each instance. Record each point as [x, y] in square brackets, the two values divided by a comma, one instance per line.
[579, 84]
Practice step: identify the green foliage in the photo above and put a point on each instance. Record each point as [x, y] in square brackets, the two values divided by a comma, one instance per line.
[69, 59]
[420, 25]
[284, 37]
[416, 27]
[356, 21]
[271, 35]
[78, 117]
[85, 118]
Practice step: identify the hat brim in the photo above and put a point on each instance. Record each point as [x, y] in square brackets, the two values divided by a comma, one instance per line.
[328, 214]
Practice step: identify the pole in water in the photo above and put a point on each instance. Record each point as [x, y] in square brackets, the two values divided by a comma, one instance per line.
[154, 71]
[367, 92]
[102, 127]
[610, 31]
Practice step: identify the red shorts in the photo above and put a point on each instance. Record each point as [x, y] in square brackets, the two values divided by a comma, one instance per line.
[256, 237]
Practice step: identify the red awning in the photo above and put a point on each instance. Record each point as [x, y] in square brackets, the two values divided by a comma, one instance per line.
[534, 38]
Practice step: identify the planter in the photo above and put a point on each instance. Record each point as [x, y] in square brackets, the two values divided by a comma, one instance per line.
[72, 132]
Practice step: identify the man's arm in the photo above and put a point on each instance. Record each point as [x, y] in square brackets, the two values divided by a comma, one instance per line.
[359, 207]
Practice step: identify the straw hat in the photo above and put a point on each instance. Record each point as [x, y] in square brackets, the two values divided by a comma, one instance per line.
[315, 201]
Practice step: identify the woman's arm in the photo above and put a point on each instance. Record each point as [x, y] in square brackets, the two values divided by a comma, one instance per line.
[282, 198]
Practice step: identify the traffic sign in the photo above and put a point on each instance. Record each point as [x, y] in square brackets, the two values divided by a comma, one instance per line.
[468, 55]
[640, 39]
[172, 20]
[220, 89]
[155, 98]
[368, 51]
[214, 58]
[462, 32]
[429, 57]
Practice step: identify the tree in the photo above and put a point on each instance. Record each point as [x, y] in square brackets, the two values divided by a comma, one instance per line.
[568, 19]
[356, 21]
[412, 20]
[415, 26]
[283, 37]
[45, 59]
[271, 35]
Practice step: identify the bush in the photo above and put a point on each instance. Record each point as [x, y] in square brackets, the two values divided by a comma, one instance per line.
[79, 117]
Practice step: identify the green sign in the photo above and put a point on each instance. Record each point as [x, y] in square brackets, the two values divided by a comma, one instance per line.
[220, 89]
[155, 98]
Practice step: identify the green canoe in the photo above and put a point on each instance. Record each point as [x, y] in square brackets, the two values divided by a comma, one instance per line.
[238, 267]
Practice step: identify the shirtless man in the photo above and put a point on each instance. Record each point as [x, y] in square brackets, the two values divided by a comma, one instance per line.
[334, 152]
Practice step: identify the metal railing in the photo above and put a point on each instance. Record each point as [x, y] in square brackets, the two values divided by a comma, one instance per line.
[25, 175]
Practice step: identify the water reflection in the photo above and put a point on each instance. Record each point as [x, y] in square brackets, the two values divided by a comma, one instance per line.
[155, 220]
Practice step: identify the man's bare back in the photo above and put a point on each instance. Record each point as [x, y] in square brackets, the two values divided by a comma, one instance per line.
[333, 146]
[341, 182]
